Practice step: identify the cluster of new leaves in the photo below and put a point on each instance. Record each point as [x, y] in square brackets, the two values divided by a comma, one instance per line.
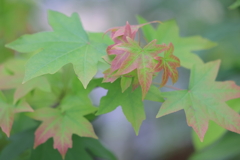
[138, 65]
[60, 101]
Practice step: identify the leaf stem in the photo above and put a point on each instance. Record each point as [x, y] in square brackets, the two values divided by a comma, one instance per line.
[171, 87]
[175, 88]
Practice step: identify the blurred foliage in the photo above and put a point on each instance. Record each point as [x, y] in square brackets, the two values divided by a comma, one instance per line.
[235, 5]
[14, 16]
[226, 148]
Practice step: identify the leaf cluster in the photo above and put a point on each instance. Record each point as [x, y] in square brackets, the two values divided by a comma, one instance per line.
[60, 74]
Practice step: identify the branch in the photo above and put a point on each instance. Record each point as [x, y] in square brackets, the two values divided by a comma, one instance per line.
[167, 86]
[175, 88]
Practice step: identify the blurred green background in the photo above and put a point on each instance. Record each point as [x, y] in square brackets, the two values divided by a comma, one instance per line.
[169, 137]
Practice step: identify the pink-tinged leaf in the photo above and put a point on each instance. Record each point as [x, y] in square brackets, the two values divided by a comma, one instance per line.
[145, 79]
[121, 56]
[205, 100]
[127, 30]
[62, 124]
[141, 59]
[168, 64]
[135, 83]
[109, 77]
[7, 112]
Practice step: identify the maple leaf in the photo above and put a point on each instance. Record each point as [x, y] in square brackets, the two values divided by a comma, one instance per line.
[204, 100]
[141, 59]
[7, 112]
[168, 64]
[109, 76]
[61, 124]
[68, 43]
[168, 32]
[130, 101]
[119, 34]
[214, 132]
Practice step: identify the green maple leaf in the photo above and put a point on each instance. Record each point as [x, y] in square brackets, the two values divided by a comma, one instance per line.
[62, 123]
[7, 112]
[204, 100]
[130, 101]
[168, 32]
[68, 43]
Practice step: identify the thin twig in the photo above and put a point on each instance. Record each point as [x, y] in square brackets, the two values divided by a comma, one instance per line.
[175, 88]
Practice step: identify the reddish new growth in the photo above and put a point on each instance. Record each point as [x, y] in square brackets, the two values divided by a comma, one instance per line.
[140, 63]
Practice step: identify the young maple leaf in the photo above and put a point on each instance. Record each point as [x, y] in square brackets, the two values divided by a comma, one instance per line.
[109, 76]
[61, 124]
[168, 64]
[119, 34]
[7, 112]
[141, 59]
[204, 100]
